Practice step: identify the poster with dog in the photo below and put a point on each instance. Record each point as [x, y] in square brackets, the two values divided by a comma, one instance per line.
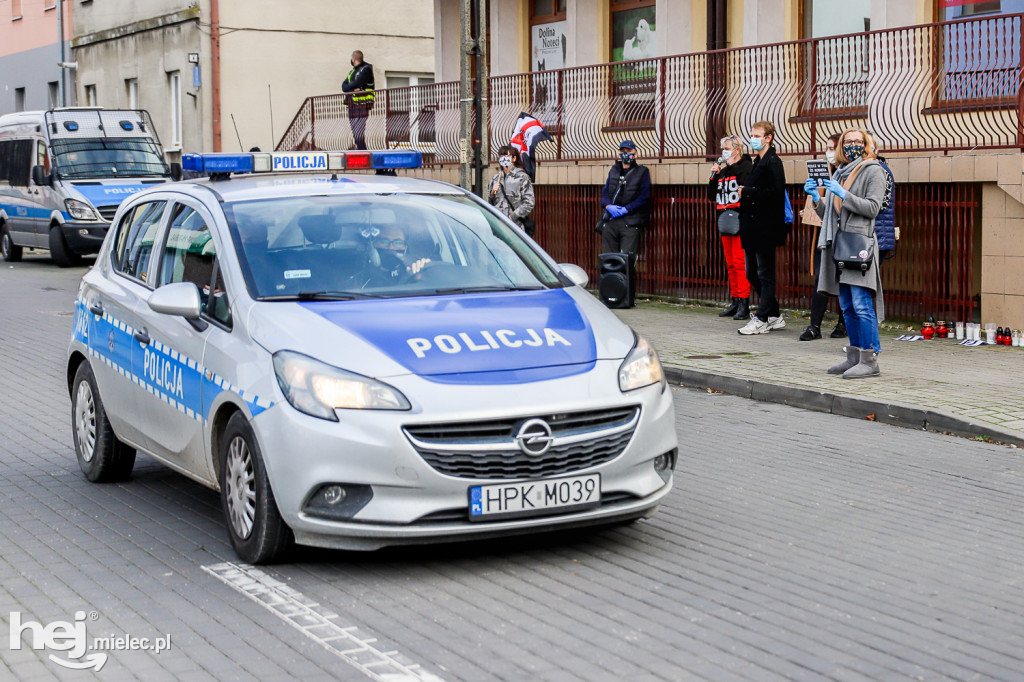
[633, 34]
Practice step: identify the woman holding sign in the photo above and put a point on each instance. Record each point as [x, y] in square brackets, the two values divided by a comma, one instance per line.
[849, 250]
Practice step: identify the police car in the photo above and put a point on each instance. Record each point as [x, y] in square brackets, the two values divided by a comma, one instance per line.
[356, 361]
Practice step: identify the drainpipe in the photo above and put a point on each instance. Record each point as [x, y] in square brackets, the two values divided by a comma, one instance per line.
[215, 69]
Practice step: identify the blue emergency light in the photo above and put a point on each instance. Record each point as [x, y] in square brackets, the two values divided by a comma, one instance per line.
[288, 162]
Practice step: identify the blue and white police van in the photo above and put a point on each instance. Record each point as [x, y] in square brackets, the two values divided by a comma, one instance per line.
[63, 173]
[356, 361]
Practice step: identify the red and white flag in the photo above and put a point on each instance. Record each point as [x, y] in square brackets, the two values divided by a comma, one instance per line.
[529, 132]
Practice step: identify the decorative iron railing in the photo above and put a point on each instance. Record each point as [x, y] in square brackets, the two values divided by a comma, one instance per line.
[934, 87]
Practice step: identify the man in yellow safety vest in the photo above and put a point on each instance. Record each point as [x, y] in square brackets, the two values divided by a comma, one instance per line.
[358, 87]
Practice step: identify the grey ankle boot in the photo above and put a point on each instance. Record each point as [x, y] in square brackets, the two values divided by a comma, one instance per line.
[852, 358]
[867, 367]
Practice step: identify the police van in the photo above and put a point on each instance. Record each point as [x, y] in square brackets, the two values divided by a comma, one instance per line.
[64, 172]
[356, 361]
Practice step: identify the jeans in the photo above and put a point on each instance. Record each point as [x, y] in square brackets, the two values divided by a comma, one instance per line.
[761, 275]
[735, 263]
[858, 305]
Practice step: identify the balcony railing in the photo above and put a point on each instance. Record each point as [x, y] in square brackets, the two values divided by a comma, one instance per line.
[934, 87]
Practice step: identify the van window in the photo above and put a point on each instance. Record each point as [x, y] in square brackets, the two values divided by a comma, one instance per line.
[136, 236]
[42, 158]
[16, 162]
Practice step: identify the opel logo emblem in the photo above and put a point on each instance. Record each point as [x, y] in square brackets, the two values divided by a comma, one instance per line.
[534, 437]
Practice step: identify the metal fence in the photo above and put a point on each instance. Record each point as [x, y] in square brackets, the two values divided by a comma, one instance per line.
[941, 86]
[933, 272]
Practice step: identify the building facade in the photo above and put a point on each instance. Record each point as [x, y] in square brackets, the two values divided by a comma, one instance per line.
[228, 75]
[30, 50]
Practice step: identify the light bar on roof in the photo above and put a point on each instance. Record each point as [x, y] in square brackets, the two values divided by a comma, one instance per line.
[301, 162]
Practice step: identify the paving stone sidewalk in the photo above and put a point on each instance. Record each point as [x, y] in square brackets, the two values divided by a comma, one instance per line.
[932, 384]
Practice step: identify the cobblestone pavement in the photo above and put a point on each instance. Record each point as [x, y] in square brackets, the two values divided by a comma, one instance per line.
[796, 545]
[981, 384]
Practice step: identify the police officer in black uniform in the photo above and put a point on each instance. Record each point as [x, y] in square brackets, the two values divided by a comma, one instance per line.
[626, 198]
[359, 86]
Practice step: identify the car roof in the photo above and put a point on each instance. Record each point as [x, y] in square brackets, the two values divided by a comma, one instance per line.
[248, 187]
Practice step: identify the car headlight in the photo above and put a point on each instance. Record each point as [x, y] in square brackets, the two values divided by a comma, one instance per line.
[79, 210]
[318, 389]
[641, 367]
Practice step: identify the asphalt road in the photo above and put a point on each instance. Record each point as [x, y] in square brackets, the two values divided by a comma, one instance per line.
[796, 545]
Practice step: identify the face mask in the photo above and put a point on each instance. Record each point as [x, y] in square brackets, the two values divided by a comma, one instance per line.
[831, 158]
[853, 151]
[724, 158]
[757, 143]
[352, 62]
[627, 157]
[505, 161]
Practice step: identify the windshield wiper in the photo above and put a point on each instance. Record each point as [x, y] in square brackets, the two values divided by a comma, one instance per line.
[484, 289]
[321, 296]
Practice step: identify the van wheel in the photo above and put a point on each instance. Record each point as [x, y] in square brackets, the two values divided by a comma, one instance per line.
[59, 251]
[101, 455]
[11, 252]
[255, 527]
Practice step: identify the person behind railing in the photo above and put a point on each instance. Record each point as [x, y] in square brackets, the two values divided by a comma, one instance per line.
[763, 226]
[728, 173]
[358, 86]
[511, 189]
[626, 199]
[853, 200]
[820, 301]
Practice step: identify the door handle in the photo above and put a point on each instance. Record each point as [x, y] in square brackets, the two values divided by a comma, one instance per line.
[96, 308]
[142, 336]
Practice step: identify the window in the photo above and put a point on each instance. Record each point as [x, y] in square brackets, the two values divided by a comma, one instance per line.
[841, 59]
[410, 112]
[53, 88]
[190, 255]
[135, 239]
[15, 9]
[15, 162]
[548, 28]
[633, 85]
[90, 96]
[980, 59]
[19, 99]
[131, 87]
[174, 87]
[42, 158]
[49, 4]
[956, 10]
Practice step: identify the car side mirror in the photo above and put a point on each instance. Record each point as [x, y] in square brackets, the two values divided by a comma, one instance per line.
[179, 298]
[41, 177]
[575, 273]
[175, 171]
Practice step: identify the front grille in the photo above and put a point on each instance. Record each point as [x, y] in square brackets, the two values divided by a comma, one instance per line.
[107, 212]
[488, 450]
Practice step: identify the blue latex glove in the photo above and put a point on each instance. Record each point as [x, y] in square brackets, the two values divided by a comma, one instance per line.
[616, 211]
[811, 187]
[836, 188]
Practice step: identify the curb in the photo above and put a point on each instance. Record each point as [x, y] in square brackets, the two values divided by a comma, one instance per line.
[846, 406]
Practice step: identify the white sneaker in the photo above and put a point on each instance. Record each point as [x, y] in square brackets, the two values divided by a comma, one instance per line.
[755, 326]
[776, 322]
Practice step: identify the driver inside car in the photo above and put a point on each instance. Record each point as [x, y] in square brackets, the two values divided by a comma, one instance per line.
[392, 247]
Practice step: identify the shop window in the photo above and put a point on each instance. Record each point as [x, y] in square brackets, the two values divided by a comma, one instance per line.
[634, 83]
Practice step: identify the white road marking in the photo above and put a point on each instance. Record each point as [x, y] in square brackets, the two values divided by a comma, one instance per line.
[317, 623]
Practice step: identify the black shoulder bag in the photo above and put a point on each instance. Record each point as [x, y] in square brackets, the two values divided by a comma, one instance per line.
[528, 224]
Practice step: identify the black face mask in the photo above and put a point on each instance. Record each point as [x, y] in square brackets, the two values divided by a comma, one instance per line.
[352, 62]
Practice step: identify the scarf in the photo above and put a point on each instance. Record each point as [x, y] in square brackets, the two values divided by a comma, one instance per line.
[830, 221]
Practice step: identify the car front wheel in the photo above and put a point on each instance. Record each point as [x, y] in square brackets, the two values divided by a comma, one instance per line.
[101, 455]
[255, 527]
[60, 252]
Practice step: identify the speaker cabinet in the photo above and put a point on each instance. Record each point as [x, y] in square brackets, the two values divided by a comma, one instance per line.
[616, 280]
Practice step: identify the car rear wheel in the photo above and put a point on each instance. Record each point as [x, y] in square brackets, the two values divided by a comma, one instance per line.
[60, 253]
[255, 527]
[10, 251]
[101, 455]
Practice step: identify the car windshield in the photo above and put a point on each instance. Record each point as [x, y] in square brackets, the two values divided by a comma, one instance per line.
[345, 247]
[108, 157]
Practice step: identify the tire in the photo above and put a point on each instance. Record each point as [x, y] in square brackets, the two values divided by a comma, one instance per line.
[10, 251]
[255, 527]
[63, 256]
[102, 457]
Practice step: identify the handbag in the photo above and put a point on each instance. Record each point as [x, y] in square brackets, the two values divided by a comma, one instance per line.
[729, 222]
[852, 251]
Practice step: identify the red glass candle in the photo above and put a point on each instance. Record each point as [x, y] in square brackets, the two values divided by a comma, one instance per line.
[928, 330]
[941, 330]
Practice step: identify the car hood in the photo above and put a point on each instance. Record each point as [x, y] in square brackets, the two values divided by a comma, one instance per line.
[110, 192]
[506, 337]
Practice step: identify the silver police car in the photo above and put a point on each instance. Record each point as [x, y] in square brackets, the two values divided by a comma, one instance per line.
[357, 361]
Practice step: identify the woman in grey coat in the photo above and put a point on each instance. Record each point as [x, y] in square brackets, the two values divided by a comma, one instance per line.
[511, 189]
[854, 197]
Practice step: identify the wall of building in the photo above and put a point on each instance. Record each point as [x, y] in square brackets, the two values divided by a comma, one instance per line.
[29, 52]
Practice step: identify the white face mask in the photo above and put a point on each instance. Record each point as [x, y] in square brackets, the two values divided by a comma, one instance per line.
[505, 161]
[831, 157]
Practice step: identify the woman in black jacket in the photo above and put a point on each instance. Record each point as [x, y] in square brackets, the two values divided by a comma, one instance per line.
[763, 226]
[728, 174]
